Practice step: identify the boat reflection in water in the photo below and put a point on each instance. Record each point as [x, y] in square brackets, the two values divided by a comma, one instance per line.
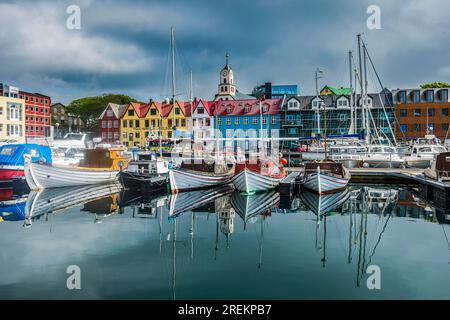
[102, 200]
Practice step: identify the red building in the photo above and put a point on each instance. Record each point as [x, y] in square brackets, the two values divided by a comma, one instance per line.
[109, 122]
[37, 110]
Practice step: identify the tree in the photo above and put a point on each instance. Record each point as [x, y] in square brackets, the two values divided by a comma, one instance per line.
[435, 85]
[90, 108]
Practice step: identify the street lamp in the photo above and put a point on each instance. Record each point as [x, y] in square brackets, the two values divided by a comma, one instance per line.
[57, 126]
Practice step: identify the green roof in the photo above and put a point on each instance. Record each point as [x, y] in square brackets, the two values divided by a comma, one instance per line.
[340, 91]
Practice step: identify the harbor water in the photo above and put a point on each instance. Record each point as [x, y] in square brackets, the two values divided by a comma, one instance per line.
[220, 244]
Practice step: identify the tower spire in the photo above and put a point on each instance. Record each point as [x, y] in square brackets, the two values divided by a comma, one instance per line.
[227, 56]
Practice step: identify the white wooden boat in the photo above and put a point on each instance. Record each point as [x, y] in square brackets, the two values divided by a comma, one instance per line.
[259, 177]
[199, 175]
[325, 177]
[101, 167]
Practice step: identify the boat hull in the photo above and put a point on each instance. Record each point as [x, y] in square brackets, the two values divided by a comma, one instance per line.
[143, 181]
[418, 163]
[323, 183]
[249, 181]
[8, 173]
[41, 176]
[183, 180]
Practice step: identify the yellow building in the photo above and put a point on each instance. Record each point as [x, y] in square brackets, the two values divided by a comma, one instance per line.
[135, 126]
[180, 119]
[154, 118]
[12, 119]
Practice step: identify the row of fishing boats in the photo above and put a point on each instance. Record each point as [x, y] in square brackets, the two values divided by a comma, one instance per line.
[37, 165]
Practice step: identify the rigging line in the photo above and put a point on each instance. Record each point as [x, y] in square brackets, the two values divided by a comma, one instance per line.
[446, 238]
[382, 87]
[379, 240]
[166, 78]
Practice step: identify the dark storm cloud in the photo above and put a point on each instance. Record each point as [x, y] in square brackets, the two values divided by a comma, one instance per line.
[123, 45]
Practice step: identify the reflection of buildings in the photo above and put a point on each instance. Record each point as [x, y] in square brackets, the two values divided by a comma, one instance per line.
[226, 214]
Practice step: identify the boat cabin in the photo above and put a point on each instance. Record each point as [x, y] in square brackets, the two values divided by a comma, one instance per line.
[430, 149]
[147, 162]
[443, 165]
[111, 159]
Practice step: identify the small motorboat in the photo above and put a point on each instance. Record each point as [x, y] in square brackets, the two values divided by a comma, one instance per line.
[325, 177]
[260, 176]
[382, 156]
[440, 168]
[100, 166]
[12, 161]
[422, 155]
[145, 172]
[200, 173]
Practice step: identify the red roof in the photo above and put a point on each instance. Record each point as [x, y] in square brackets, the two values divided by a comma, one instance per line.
[209, 106]
[141, 109]
[185, 108]
[238, 107]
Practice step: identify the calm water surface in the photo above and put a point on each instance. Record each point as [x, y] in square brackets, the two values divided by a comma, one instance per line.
[218, 244]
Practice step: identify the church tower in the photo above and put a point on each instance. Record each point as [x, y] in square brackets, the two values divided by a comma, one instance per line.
[227, 89]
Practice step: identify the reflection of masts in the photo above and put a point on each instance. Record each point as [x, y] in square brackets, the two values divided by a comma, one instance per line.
[217, 237]
[379, 240]
[174, 269]
[191, 234]
[261, 245]
[160, 230]
[349, 259]
[359, 251]
[324, 258]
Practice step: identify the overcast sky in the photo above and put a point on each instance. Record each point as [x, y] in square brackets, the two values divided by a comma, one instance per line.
[123, 46]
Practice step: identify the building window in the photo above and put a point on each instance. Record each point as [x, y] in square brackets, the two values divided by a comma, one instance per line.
[236, 121]
[417, 113]
[125, 123]
[431, 112]
[153, 111]
[416, 96]
[177, 111]
[403, 113]
[445, 112]
[130, 123]
[131, 112]
[228, 121]
[265, 108]
[245, 120]
[183, 122]
[417, 127]
[274, 120]
[431, 127]
[109, 124]
[444, 95]
[264, 120]
[229, 109]
[229, 133]
[444, 127]
[109, 113]
[14, 111]
[147, 123]
[219, 121]
[403, 128]
[246, 108]
[116, 123]
[429, 96]
[255, 120]
[402, 97]
[103, 124]
[137, 123]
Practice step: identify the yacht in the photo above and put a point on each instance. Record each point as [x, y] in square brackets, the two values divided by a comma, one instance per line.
[382, 156]
[422, 155]
[349, 155]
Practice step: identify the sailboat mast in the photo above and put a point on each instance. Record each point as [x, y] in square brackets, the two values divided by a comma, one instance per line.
[172, 48]
[363, 117]
[352, 111]
[366, 83]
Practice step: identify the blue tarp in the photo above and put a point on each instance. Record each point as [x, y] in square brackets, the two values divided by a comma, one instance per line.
[12, 154]
[14, 212]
